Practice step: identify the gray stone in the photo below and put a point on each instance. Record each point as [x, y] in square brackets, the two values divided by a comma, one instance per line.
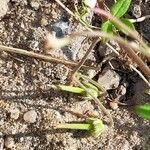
[109, 79]
[30, 116]
[104, 50]
[3, 7]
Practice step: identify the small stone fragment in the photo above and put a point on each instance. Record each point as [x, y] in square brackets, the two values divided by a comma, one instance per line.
[44, 22]
[3, 7]
[113, 105]
[14, 113]
[9, 142]
[136, 11]
[104, 50]
[30, 116]
[109, 79]
[34, 4]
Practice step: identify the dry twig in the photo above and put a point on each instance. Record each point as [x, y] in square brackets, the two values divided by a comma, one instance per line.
[40, 56]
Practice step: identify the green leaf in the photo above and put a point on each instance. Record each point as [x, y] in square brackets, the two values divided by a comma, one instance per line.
[108, 28]
[120, 8]
[127, 23]
[78, 90]
[71, 89]
[143, 110]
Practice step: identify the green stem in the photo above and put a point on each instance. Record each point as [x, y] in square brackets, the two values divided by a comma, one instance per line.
[76, 126]
[71, 89]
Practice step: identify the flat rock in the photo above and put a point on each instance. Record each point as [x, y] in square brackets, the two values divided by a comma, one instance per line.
[109, 79]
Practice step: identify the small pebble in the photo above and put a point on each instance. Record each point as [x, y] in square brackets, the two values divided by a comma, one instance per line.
[34, 5]
[113, 105]
[109, 79]
[44, 22]
[14, 113]
[9, 142]
[30, 116]
[136, 11]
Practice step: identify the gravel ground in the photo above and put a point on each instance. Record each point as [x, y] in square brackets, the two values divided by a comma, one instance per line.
[29, 108]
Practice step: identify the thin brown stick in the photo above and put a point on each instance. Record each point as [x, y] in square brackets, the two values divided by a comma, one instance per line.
[82, 61]
[125, 44]
[40, 56]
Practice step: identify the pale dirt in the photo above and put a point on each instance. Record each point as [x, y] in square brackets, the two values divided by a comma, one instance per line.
[24, 85]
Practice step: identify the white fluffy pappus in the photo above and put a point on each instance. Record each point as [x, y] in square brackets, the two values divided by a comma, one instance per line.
[52, 42]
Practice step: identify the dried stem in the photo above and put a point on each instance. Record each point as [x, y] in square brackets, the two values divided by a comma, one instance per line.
[141, 75]
[137, 71]
[135, 58]
[40, 56]
[82, 61]
[125, 44]
[131, 32]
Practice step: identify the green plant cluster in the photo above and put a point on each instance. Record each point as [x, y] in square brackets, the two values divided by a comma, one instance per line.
[118, 10]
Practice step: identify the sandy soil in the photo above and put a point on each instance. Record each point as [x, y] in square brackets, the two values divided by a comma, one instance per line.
[24, 85]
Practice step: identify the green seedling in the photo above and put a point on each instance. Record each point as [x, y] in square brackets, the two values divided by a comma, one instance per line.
[78, 90]
[143, 110]
[118, 10]
[88, 83]
[90, 89]
[93, 126]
